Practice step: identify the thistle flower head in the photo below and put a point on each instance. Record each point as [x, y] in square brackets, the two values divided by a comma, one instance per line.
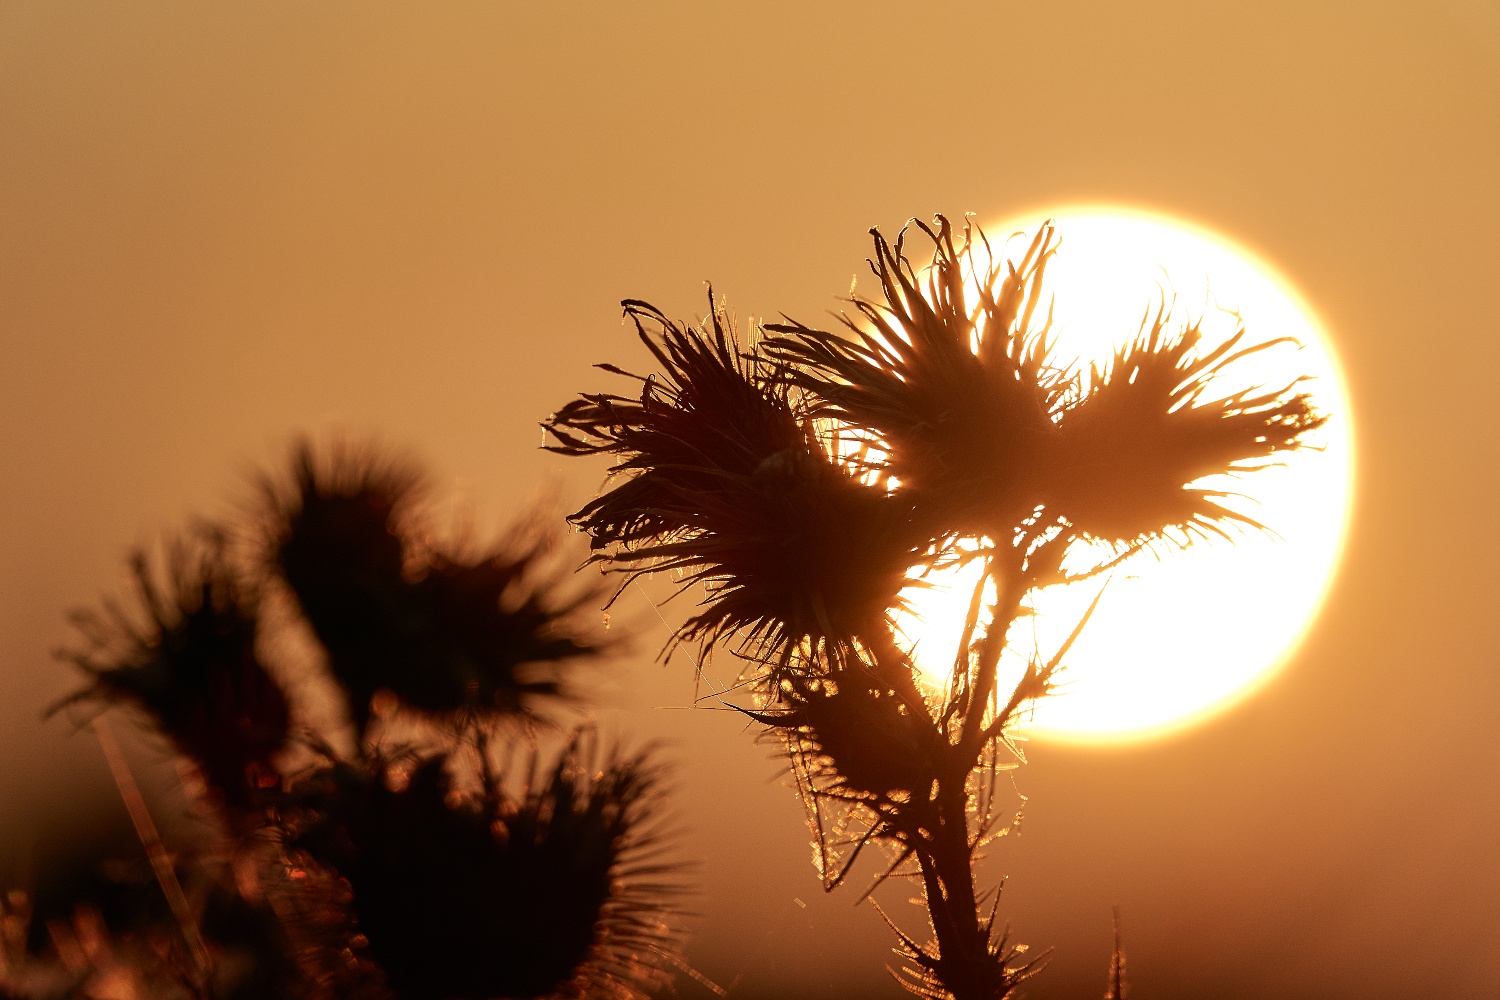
[1149, 426]
[336, 538]
[951, 373]
[556, 894]
[948, 371]
[442, 629]
[187, 659]
[856, 738]
[721, 477]
[338, 532]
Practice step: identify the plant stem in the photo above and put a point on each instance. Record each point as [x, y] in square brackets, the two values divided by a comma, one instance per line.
[934, 824]
[1005, 568]
[156, 851]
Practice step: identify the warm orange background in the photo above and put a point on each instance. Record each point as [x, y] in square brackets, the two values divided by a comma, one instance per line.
[221, 224]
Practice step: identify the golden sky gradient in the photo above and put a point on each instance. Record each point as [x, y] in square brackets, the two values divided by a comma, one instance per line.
[224, 224]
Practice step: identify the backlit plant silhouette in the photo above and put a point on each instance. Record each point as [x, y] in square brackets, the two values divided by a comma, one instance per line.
[801, 482]
[444, 852]
[460, 837]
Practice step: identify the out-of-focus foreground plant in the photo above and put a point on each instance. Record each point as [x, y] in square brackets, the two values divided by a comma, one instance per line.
[444, 851]
[800, 483]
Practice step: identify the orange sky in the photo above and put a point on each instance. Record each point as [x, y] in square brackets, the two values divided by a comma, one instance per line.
[222, 224]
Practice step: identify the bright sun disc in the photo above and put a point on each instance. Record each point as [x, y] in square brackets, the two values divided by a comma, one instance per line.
[1178, 634]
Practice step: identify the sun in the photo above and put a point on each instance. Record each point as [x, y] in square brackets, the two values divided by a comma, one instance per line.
[1178, 635]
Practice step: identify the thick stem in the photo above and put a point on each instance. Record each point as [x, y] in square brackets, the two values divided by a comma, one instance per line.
[963, 962]
[934, 824]
[965, 966]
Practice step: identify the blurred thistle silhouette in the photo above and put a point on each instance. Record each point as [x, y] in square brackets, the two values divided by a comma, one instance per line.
[463, 859]
[192, 667]
[445, 632]
[805, 479]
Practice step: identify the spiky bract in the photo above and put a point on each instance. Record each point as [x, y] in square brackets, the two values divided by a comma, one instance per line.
[723, 479]
[557, 894]
[188, 660]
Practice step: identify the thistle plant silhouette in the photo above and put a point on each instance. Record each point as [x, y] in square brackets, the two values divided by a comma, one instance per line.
[801, 482]
[461, 837]
[445, 852]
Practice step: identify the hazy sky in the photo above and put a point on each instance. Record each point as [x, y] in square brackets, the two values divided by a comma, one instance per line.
[224, 224]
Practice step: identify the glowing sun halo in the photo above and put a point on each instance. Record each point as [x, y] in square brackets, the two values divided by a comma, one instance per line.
[1178, 635]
